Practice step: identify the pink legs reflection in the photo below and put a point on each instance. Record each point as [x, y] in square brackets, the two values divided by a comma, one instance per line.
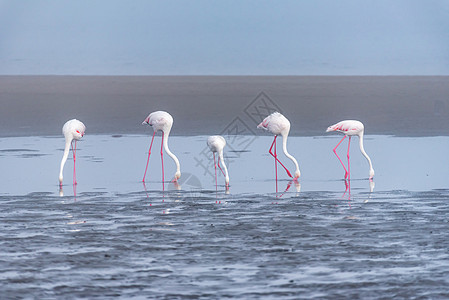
[175, 183]
[347, 193]
[61, 191]
[348, 189]
[289, 184]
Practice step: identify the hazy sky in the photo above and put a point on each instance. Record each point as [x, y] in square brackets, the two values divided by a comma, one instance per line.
[228, 37]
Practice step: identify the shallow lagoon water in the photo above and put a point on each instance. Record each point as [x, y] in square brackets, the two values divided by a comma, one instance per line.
[113, 236]
[115, 164]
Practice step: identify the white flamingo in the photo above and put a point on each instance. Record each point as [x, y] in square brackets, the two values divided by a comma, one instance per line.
[277, 124]
[163, 121]
[350, 128]
[73, 130]
[216, 144]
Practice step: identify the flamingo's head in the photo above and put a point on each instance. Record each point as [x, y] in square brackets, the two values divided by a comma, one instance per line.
[330, 128]
[78, 133]
[177, 175]
[73, 130]
[371, 174]
[227, 181]
[297, 174]
[263, 124]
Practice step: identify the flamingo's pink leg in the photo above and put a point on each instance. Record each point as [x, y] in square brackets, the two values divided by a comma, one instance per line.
[346, 189]
[162, 160]
[215, 166]
[74, 161]
[275, 157]
[275, 164]
[221, 168]
[349, 168]
[335, 151]
[349, 189]
[148, 160]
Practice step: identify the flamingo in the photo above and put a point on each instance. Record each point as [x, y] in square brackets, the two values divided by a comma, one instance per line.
[277, 124]
[350, 128]
[73, 131]
[216, 143]
[163, 121]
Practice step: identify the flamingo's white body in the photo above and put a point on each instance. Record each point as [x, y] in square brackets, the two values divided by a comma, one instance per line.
[73, 131]
[163, 121]
[350, 128]
[277, 124]
[216, 144]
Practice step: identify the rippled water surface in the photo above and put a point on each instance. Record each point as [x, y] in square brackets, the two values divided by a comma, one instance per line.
[112, 236]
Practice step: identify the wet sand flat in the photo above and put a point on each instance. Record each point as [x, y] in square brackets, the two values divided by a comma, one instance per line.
[142, 245]
[392, 105]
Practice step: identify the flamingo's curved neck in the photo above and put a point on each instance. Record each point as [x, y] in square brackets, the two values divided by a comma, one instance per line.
[362, 149]
[284, 148]
[64, 158]
[220, 155]
[178, 167]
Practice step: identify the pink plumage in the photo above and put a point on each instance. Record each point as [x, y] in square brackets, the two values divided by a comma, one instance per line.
[350, 128]
[163, 121]
[277, 124]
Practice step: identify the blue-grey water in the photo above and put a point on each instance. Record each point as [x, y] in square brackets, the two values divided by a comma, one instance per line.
[112, 236]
